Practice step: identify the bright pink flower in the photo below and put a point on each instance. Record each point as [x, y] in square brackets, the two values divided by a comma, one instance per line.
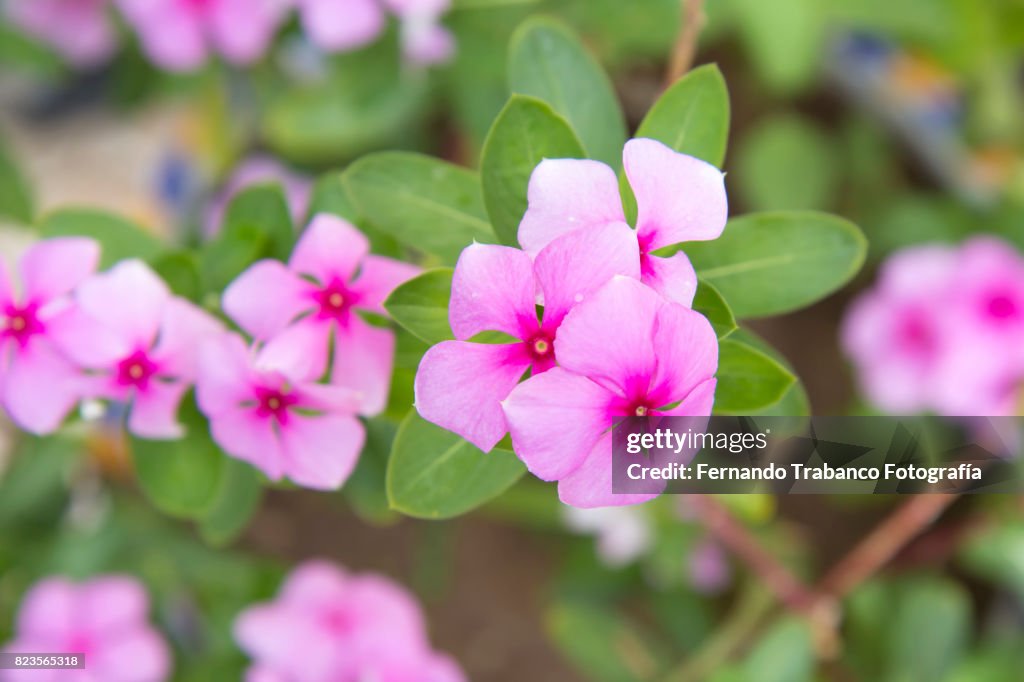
[297, 308]
[460, 384]
[298, 190]
[680, 198]
[342, 25]
[179, 35]
[104, 618]
[80, 30]
[348, 628]
[138, 345]
[624, 352]
[38, 384]
[277, 418]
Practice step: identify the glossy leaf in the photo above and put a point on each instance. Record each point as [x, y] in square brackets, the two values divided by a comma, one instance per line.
[421, 305]
[16, 201]
[709, 303]
[748, 380]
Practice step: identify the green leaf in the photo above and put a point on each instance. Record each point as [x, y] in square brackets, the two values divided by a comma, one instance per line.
[692, 116]
[773, 263]
[236, 500]
[784, 40]
[181, 477]
[783, 654]
[423, 202]
[15, 194]
[119, 239]
[548, 61]
[525, 133]
[709, 303]
[366, 489]
[256, 225]
[421, 305]
[931, 623]
[795, 402]
[180, 270]
[998, 555]
[434, 474]
[748, 380]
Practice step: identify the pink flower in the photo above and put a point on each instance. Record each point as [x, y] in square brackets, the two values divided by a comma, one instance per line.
[347, 628]
[424, 39]
[680, 198]
[625, 351]
[104, 619]
[623, 534]
[179, 35]
[38, 384]
[708, 568]
[342, 25]
[138, 344]
[298, 190]
[297, 309]
[460, 384]
[80, 30]
[276, 418]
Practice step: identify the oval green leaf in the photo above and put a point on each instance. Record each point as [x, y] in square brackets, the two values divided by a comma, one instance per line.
[748, 380]
[421, 305]
[709, 303]
[119, 239]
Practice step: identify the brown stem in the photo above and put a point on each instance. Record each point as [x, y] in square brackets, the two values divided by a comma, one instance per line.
[686, 44]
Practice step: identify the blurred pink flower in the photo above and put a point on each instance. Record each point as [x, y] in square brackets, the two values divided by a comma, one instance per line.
[942, 331]
[625, 351]
[179, 35]
[277, 418]
[342, 25]
[460, 384]
[708, 566]
[80, 30]
[623, 534]
[38, 384]
[680, 198]
[298, 190]
[104, 618]
[425, 40]
[138, 343]
[346, 628]
[297, 309]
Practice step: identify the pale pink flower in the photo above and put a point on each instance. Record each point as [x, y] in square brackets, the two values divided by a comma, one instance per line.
[297, 309]
[80, 30]
[679, 198]
[347, 628]
[38, 384]
[623, 534]
[625, 351]
[708, 567]
[277, 418]
[460, 384]
[179, 35]
[104, 618]
[298, 190]
[425, 40]
[342, 25]
[138, 344]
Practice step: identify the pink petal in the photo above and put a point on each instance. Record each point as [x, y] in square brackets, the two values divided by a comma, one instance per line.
[259, 673]
[40, 388]
[321, 452]
[342, 25]
[327, 398]
[49, 610]
[679, 198]
[54, 267]
[330, 249]
[112, 602]
[171, 32]
[86, 341]
[314, 584]
[555, 419]
[6, 291]
[154, 412]
[378, 277]
[405, 9]
[575, 265]
[590, 485]
[242, 30]
[225, 376]
[460, 386]
[300, 351]
[566, 195]
[391, 622]
[78, 29]
[182, 332]
[244, 435]
[686, 348]
[493, 289]
[266, 298]
[129, 299]
[672, 277]
[610, 337]
[272, 633]
[363, 359]
[426, 41]
[135, 655]
[699, 402]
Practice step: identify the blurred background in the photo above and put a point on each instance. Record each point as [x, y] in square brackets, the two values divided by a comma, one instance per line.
[905, 116]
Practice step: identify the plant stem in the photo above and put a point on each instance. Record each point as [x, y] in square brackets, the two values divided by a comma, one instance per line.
[685, 48]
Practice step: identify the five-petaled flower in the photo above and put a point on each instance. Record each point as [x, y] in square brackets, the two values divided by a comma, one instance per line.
[625, 352]
[38, 384]
[679, 198]
[297, 309]
[347, 627]
[103, 619]
[80, 30]
[277, 418]
[460, 384]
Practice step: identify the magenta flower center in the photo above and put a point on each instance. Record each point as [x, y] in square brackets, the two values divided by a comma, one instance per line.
[334, 300]
[541, 348]
[339, 621]
[641, 411]
[1002, 307]
[136, 370]
[197, 5]
[20, 323]
[80, 643]
[917, 335]
[274, 403]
